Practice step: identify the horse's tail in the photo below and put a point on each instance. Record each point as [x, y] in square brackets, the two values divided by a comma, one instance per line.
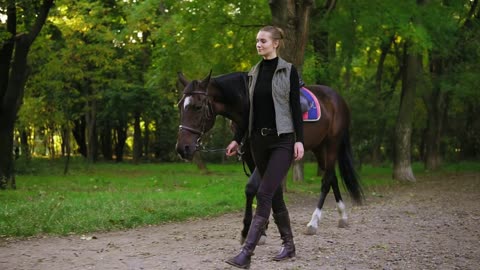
[347, 169]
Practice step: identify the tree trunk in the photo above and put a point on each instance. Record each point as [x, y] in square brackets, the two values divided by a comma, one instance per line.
[137, 140]
[436, 100]
[68, 148]
[436, 104]
[469, 145]
[380, 100]
[158, 151]
[13, 76]
[51, 141]
[6, 157]
[121, 138]
[79, 132]
[63, 146]
[411, 73]
[25, 148]
[7, 120]
[293, 18]
[91, 124]
[402, 167]
[106, 142]
[146, 140]
[298, 174]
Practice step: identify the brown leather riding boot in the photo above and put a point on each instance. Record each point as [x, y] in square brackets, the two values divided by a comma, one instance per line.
[288, 247]
[242, 260]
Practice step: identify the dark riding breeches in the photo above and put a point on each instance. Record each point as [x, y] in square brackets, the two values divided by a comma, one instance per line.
[273, 156]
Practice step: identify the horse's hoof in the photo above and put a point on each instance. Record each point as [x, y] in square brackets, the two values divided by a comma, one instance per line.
[263, 240]
[311, 230]
[242, 240]
[342, 223]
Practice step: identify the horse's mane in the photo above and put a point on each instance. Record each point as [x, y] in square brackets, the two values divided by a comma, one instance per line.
[233, 87]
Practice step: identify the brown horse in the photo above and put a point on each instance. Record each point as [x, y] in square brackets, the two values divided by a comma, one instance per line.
[328, 138]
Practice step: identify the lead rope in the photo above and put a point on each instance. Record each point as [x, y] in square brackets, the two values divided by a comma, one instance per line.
[212, 150]
[240, 157]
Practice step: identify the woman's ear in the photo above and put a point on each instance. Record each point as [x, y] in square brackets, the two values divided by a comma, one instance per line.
[275, 44]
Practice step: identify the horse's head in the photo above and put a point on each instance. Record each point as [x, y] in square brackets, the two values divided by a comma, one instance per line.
[196, 115]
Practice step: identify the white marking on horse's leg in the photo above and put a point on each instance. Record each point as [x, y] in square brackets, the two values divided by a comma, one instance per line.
[343, 222]
[341, 210]
[313, 224]
[186, 102]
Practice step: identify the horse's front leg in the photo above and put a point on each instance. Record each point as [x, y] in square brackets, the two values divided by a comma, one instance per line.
[312, 226]
[250, 192]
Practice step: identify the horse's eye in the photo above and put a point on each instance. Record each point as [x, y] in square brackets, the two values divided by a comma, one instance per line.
[194, 107]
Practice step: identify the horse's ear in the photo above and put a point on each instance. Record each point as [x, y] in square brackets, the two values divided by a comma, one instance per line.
[182, 79]
[206, 81]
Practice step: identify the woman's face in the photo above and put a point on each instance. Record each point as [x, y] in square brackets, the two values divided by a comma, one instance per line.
[266, 46]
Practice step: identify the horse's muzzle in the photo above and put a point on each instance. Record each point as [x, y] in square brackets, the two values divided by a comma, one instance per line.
[186, 152]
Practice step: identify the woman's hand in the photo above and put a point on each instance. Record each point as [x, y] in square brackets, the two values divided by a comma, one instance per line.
[298, 151]
[232, 149]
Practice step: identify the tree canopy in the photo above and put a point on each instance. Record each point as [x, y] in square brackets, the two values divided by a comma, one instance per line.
[102, 77]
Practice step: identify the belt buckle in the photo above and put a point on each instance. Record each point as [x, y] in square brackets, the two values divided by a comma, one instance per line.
[264, 131]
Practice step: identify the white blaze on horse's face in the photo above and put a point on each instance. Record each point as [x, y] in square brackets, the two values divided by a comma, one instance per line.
[187, 101]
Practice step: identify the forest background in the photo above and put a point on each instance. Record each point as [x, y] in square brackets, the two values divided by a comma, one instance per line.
[98, 79]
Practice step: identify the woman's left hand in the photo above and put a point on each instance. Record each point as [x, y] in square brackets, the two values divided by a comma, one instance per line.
[298, 151]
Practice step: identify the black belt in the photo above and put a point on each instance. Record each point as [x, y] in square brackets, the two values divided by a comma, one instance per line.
[268, 131]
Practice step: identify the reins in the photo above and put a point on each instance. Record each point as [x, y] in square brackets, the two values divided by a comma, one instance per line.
[239, 152]
[211, 150]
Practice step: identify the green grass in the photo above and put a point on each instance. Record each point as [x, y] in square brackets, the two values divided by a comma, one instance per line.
[108, 196]
[115, 196]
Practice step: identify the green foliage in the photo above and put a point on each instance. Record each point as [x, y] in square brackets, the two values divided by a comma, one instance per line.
[121, 58]
[356, 32]
[4, 35]
[200, 36]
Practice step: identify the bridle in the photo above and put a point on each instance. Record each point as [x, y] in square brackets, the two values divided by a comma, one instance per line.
[206, 114]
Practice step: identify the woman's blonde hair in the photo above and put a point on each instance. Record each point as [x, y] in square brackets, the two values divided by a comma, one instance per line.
[276, 32]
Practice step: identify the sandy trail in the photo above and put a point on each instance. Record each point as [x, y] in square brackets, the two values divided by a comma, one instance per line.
[432, 224]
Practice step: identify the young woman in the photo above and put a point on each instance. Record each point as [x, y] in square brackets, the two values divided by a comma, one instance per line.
[274, 125]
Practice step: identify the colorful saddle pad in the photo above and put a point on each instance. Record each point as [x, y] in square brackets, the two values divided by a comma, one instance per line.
[313, 113]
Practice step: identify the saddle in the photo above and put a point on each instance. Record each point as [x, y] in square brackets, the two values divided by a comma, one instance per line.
[309, 105]
[305, 104]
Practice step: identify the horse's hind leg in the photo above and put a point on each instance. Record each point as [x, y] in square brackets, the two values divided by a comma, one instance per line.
[250, 192]
[343, 221]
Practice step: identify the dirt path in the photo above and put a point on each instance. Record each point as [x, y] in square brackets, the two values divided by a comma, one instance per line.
[433, 224]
